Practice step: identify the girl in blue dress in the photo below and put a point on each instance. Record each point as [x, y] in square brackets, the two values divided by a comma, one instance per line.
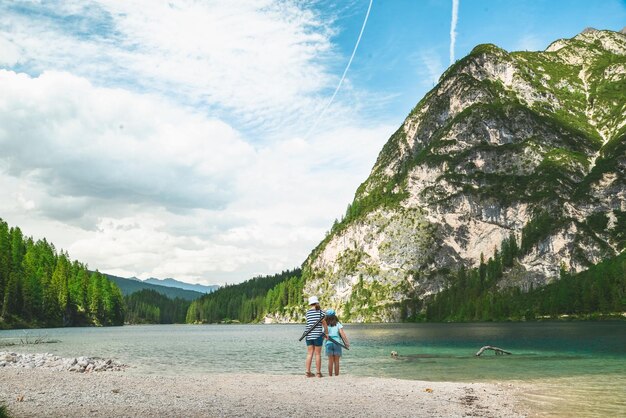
[333, 350]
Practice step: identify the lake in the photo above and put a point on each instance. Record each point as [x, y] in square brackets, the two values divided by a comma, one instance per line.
[568, 360]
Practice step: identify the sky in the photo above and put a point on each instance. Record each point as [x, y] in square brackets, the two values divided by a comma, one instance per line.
[197, 139]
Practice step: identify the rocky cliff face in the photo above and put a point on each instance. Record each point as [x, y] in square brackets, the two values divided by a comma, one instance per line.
[503, 141]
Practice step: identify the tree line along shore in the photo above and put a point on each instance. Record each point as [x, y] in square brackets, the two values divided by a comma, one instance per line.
[42, 287]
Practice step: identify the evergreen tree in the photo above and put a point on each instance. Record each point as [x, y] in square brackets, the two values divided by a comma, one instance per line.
[43, 288]
[599, 290]
[249, 301]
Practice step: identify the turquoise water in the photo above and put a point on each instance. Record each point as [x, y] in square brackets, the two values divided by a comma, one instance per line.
[426, 351]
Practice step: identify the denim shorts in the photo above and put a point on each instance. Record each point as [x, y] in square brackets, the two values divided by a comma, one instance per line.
[333, 349]
[317, 342]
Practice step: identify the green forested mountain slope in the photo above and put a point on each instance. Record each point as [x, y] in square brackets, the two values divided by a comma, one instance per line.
[42, 287]
[507, 144]
[278, 296]
[474, 295]
[148, 306]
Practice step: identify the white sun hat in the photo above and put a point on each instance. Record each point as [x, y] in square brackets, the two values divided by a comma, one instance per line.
[313, 300]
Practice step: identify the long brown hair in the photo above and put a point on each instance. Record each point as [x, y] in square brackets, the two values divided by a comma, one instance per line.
[331, 320]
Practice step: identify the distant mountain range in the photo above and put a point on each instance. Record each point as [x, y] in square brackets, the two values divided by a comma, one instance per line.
[132, 285]
[182, 285]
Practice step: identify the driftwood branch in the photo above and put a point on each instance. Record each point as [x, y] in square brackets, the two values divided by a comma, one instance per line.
[497, 350]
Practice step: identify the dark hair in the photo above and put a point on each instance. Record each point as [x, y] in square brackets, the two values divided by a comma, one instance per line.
[331, 320]
[317, 306]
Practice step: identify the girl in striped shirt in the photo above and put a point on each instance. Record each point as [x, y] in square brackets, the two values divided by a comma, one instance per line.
[315, 339]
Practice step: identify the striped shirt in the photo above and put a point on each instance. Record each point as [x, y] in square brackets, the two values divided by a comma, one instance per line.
[312, 316]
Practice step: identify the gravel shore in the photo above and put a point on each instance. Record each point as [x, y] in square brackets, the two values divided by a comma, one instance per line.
[40, 391]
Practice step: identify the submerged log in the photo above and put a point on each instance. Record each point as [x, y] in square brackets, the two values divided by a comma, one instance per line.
[497, 350]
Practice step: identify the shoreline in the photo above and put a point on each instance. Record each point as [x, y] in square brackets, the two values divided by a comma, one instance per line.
[35, 384]
[612, 317]
[34, 392]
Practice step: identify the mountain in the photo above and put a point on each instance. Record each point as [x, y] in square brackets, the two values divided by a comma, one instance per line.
[182, 285]
[132, 285]
[150, 307]
[262, 298]
[523, 150]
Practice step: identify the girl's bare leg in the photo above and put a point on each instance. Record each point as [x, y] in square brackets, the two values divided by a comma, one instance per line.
[318, 359]
[331, 362]
[336, 361]
[309, 358]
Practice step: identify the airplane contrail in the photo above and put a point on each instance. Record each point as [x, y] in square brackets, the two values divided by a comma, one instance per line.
[455, 18]
[319, 117]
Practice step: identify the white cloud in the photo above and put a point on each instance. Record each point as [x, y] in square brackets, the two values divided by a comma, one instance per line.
[135, 185]
[530, 42]
[111, 144]
[9, 52]
[253, 61]
[453, 21]
[120, 246]
[429, 67]
[343, 76]
[166, 139]
[297, 182]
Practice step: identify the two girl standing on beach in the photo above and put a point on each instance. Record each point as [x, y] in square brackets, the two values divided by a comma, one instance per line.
[327, 325]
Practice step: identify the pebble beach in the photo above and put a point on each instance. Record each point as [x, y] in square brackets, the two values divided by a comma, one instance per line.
[43, 385]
